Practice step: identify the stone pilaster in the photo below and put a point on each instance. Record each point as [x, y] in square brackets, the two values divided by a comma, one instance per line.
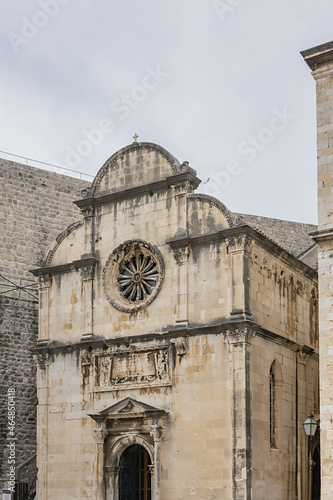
[156, 433]
[44, 292]
[43, 364]
[181, 255]
[100, 433]
[87, 276]
[239, 248]
[239, 345]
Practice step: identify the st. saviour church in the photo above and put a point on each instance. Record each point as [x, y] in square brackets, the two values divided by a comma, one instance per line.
[177, 354]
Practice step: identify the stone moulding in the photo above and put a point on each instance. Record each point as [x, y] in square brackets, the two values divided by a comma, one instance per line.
[128, 408]
[144, 146]
[169, 337]
[60, 238]
[130, 257]
[180, 178]
[212, 201]
[88, 262]
[322, 235]
[319, 56]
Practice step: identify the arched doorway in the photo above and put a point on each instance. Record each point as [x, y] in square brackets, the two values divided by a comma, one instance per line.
[134, 477]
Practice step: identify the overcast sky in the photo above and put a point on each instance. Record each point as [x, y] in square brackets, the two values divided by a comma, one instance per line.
[220, 84]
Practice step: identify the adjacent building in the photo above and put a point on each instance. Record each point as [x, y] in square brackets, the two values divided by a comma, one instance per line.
[320, 60]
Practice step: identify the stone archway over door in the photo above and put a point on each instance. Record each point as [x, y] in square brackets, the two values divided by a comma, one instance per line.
[119, 427]
[134, 475]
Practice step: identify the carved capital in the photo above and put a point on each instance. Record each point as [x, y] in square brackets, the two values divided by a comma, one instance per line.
[87, 212]
[240, 335]
[44, 281]
[180, 347]
[156, 431]
[85, 365]
[303, 356]
[42, 359]
[239, 242]
[181, 254]
[151, 469]
[87, 272]
[109, 470]
[100, 433]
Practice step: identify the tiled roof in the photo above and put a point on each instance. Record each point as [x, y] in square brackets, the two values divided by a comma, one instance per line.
[292, 236]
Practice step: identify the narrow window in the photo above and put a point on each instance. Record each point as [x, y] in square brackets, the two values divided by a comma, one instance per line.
[272, 408]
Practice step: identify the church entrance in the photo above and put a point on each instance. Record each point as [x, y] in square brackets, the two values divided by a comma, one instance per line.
[135, 478]
[316, 474]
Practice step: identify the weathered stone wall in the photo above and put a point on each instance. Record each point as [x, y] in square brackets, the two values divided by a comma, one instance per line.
[196, 449]
[284, 296]
[201, 351]
[275, 468]
[320, 60]
[18, 327]
[35, 205]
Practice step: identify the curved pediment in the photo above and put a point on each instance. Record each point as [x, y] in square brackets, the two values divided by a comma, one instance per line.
[136, 165]
[207, 215]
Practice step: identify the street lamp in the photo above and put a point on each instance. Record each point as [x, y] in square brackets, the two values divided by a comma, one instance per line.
[310, 427]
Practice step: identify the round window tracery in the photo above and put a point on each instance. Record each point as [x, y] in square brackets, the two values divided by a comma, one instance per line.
[133, 274]
[138, 277]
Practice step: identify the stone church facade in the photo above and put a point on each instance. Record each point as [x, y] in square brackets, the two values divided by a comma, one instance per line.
[177, 354]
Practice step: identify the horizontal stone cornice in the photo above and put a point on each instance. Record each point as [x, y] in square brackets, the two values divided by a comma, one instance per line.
[65, 268]
[245, 230]
[146, 189]
[322, 235]
[226, 327]
[320, 59]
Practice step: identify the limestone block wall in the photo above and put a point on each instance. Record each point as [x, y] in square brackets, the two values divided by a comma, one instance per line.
[196, 447]
[276, 468]
[197, 289]
[324, 86]
[284, 297]
[35, 205]
[325, 273]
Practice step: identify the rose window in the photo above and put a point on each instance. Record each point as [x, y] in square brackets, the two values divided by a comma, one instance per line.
[133, 275]
[138, 277]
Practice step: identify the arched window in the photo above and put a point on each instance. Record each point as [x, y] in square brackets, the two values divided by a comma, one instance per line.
[272, 408]
[275, 405]
[135, 477]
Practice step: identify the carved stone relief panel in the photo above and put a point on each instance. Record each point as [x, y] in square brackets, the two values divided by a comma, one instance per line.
[133, 368]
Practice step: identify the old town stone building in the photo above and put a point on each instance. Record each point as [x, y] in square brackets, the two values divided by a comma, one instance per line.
[320, 60]
[177, 354]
